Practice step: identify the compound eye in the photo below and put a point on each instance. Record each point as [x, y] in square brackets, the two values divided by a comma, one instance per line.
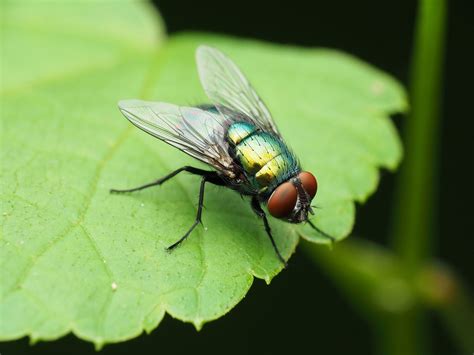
[309, 182]
[283, 200]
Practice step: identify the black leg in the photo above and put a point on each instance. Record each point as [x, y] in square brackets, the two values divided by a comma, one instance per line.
[261, 213]
[324, 234]
[189, 169]
[198, 216]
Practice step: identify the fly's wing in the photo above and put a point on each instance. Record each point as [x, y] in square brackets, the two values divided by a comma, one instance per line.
[228, 89]
[196, 132]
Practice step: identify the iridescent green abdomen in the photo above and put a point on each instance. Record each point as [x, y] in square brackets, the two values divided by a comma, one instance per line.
[265, 159]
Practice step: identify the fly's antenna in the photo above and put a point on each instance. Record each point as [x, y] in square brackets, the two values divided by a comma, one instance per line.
[324, 234]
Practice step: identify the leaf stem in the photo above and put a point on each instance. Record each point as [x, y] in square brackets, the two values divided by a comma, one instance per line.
[415, 205]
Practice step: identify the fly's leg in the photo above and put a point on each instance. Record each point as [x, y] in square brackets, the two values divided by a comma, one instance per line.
[261, 213]
[324, 234]
[198, 216]
[160, 181]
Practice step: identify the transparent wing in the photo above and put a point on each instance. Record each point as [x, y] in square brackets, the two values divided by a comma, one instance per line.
[228, 88]
[196, 132]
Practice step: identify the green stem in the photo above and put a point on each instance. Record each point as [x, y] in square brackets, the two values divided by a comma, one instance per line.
[415, 205]
[399, 335]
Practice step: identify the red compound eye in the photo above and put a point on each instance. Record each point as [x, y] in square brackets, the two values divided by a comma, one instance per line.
[309, 182]
[283, 200]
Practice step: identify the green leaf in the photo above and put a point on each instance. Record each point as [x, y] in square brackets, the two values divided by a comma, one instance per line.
[75, 258]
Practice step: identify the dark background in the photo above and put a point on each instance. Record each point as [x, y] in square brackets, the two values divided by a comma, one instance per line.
[302, 309]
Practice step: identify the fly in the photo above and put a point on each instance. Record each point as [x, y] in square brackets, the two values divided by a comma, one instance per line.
[237, 137]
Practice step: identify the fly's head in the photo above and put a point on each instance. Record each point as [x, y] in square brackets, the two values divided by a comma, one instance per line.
[291, 200]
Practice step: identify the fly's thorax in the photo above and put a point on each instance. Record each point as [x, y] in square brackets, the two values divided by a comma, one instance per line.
[265, 159]
[238, 131]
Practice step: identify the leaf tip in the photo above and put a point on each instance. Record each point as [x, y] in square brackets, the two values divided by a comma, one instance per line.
[33, 339]
[198, 324]
[153, 318]
[98, 344]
